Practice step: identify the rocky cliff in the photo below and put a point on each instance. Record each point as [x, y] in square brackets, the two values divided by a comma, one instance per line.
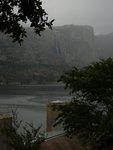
[44, 58]
[69, 44]
[75, 44]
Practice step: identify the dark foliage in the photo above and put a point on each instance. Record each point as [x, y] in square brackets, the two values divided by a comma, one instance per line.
[20, 137]
[15, 12]
[90, 114]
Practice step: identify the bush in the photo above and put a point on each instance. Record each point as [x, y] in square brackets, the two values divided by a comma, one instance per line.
[26, 138]
[89, 115]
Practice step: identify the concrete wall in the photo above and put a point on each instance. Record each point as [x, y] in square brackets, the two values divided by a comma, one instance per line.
[53, 114]
[5, 120]
[59, 142]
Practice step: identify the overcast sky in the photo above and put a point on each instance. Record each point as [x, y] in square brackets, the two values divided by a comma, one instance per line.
[97, 13]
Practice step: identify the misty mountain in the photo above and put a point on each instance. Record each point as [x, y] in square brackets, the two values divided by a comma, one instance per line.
[43, 59]
[66, 45]
[104, 45]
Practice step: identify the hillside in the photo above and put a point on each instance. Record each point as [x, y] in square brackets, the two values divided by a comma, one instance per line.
[43, 59]
[67, 45]
[104, 45]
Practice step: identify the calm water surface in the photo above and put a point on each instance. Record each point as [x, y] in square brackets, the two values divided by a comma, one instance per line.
[31, 101]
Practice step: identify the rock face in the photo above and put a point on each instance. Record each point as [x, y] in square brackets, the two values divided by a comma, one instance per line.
[75, 44]
[47, 56]
[69, 44]
[66, 45]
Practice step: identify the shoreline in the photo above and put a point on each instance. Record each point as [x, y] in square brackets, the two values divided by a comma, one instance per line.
[33, 84]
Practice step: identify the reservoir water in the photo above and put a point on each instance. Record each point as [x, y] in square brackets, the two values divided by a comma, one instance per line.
[31, 101]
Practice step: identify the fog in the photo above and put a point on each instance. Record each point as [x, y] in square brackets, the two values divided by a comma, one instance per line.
[97, 13]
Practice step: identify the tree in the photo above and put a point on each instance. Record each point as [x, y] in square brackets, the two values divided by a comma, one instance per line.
[20, 137]
[15, 12]
[89, 115]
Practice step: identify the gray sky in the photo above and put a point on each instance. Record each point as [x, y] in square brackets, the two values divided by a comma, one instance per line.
[97, 13]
